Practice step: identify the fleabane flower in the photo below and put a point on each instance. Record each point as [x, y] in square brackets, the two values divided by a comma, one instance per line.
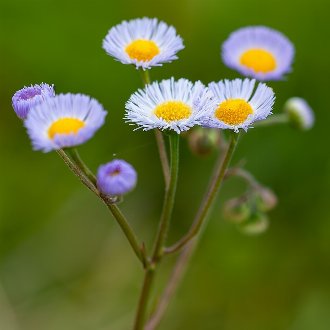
[169, 105]
[30, 96]
[116, 177]
[258, 52]
[65, 120]
[300, 113]
[239, 104]
[143, 42]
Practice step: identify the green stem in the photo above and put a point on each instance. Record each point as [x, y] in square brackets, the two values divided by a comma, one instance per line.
[187, 242]
[79, 171]
[281, 118]
[171, 286]
[163, 155]
[208, 200]
[144, 298]
[145, 76]
[127, 229]
[244, 174]
[169, 198]
[161, 234]
[159, 137]
[77, 159]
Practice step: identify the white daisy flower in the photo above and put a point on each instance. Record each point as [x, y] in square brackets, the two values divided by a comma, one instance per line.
[239, 104]
[258, 52]
[143, 42]
[65, 120]
[175, 105]
[300, 113]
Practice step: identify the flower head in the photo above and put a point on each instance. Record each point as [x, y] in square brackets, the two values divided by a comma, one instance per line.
[116, 177]
[300, 113]
[258, 52]
[239, 104]
[28, 97]
[169, 104]
[65, 120]
[143, 42]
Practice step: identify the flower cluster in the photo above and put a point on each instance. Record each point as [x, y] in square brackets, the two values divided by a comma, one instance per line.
[55, 122]
[63, 121]
[180, 105]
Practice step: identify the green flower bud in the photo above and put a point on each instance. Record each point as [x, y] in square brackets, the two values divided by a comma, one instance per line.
[266, 199]
[300, 114]
[237, 210]
[203, 141]
[256, 224]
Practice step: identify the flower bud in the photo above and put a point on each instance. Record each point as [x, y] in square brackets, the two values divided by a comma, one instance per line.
[266, 199]
[300, 114]
[256, 224]
[28, 97]
[202, 141]
[237, 210]
[116, 178]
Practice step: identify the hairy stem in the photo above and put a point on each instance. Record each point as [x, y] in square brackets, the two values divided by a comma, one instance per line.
[79, 170]
[189, 242]
[208, 200]
[174, 281]
[244, 174]
[128, 231]
[281, 118]
[169, 198]
[77, 159]
[161, 234]
[159, 137]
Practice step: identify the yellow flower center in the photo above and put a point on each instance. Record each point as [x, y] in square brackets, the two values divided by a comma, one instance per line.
[233, 111]
[142, 50]
[259, 60]
[65, 126]
[173, 110]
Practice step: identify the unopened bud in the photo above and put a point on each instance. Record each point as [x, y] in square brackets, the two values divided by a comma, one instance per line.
[300, 114]
[202, 141]
[266, 199]
[257, 224]
[237, 210]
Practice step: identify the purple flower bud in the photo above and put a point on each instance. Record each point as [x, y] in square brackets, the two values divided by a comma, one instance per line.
[28, 97]
[116, 177]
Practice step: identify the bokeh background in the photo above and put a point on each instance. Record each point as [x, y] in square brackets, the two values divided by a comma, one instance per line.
[64, 264]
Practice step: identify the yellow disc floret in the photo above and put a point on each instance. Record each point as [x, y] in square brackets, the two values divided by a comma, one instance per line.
[259, 60]
[65, 126]
[173, 111]
[233, 111]
[142, 50]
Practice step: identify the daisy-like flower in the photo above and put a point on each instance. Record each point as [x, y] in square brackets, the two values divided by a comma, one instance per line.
[239, 104]
[300, 113]
[258, 52]
[116, 177]
[28, 97]
[65, 120]
[169, 104]
[143, 42]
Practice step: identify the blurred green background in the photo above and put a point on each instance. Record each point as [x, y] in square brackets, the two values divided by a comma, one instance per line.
[64, 264]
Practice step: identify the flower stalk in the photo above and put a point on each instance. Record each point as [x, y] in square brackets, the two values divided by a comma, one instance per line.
[79, 170]
[209, 198]
[159, 137]
[161, 234]
[282, 118]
